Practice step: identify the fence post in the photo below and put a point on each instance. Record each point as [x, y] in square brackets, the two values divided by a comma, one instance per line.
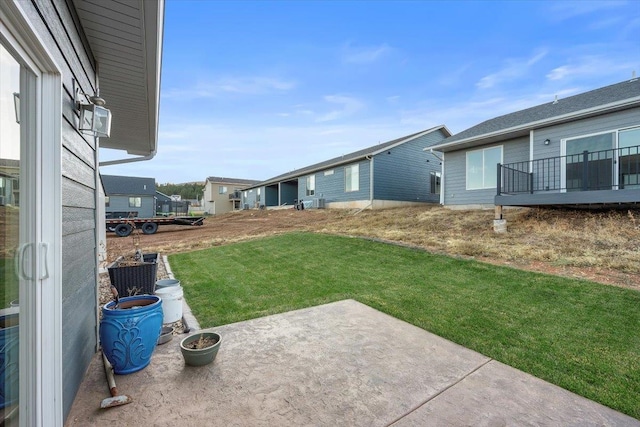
[531, 182]
[499, 181]
[585, 170]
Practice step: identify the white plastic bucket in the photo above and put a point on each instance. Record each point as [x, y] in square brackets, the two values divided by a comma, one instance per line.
[171, 303]
[165, 283]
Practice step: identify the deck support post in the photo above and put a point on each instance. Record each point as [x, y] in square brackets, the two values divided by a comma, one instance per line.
[499, 223]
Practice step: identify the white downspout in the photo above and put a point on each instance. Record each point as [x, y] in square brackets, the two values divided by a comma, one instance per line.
[370, 158]
[441, 175]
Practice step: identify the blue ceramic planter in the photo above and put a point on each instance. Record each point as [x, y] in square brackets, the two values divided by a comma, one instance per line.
[9, 359]
[129, 333]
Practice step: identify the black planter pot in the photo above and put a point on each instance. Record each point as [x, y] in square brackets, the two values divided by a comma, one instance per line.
[137, 279]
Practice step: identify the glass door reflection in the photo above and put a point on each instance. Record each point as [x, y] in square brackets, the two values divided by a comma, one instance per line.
[10, 239]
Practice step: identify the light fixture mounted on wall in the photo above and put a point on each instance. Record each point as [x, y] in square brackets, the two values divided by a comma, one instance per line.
[94, 117]
[547, 141]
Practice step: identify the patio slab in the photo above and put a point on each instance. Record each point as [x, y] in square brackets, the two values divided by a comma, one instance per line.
[337, 364]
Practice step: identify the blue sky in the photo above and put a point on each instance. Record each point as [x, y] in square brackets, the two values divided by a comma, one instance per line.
[256, 89]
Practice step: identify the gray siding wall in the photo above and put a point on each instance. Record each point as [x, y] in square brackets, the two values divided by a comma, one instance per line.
[455, 163]
[604, 123]
[403, 172]
[120, 203]
[54, 22]
[330, 186]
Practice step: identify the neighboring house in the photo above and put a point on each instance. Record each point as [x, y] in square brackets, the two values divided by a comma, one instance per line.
[129, 196]
[54, 53]
[580, 150]
[393, 173]
[9, 182]
[223, 194]
[163, 204]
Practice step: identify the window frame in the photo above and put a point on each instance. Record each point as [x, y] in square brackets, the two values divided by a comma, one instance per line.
[347, 187]
[483, 185]
[435, 181]
[310, 185]
[135, 201]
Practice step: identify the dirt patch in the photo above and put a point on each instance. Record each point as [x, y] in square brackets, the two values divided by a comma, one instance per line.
[599, 246]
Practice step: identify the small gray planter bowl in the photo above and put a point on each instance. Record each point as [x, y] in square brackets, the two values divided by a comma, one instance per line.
[203, 356]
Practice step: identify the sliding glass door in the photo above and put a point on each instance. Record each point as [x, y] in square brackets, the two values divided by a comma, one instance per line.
[16, 228]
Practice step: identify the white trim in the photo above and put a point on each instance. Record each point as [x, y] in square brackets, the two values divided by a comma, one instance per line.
[442, 181]
[531, 138]
[370, 179]
[40, 367]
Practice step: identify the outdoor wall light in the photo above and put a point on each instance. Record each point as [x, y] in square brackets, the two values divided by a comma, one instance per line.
[94, 117]
[547, 141]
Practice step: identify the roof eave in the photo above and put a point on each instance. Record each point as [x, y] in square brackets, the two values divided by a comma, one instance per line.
[136, 135]
[525, 128]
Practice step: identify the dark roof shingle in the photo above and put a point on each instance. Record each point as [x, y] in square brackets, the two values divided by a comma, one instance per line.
[536, 116]
[351, 156]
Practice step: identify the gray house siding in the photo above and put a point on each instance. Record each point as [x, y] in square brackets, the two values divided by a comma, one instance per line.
[120, 203]
[56, 27]
[331, 186]
[604, 123]
[455, 166]
[403, 173]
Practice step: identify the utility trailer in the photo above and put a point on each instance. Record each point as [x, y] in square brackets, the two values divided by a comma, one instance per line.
[124, 226]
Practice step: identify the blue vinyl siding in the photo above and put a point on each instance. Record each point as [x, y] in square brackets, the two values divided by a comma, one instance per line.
[403, 173]
[331, 187]
[455, 163]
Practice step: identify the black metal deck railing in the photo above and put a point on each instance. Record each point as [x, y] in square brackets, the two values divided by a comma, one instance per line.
[614, 169]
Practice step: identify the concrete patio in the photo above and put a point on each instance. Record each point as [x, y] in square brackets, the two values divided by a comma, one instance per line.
[339, 364]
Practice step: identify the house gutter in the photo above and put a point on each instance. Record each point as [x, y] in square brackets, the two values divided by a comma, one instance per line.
[129, 160]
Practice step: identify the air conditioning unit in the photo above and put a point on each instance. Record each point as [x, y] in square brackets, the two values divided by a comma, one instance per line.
[318, 203]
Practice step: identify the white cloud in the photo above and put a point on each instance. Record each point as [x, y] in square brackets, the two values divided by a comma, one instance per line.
[349, 107]
[253, 85]
[513, 69]
[591, 66]
[560, 11]
[363, 55]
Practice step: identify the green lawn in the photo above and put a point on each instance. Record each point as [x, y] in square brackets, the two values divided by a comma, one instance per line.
[580, 335]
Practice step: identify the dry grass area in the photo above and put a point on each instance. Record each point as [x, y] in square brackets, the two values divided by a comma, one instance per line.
[599, 246]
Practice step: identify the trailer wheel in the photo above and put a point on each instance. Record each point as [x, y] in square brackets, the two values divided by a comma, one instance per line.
[123, 230]
[149, 227]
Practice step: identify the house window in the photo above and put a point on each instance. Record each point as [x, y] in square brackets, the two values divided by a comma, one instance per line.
[106, 201]
[311, 185]
[258, 195]
[352, 178]
[135, 202]
[435, 182]
[482, 167]
[222, 189]
[329, 172]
